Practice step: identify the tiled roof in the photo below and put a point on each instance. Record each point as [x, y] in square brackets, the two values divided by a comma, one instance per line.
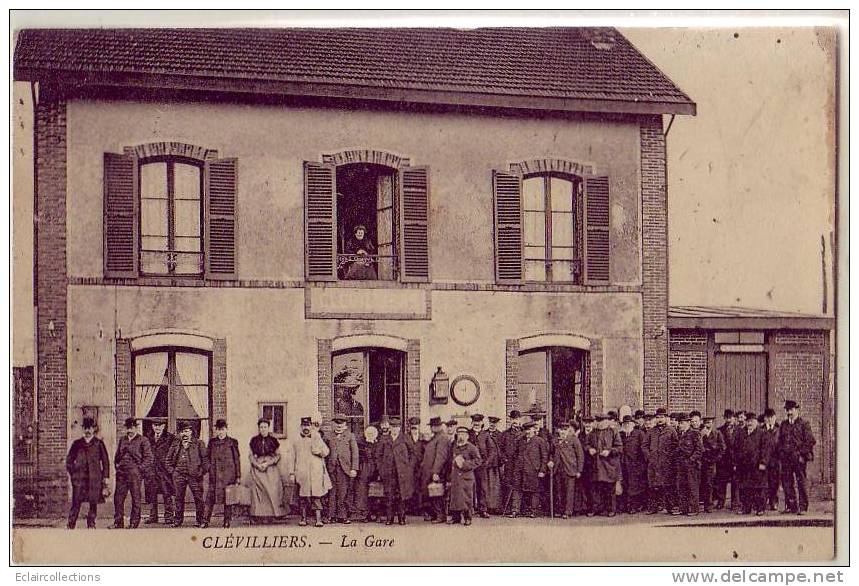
[559, 63]
[718, 317]
[721, 311]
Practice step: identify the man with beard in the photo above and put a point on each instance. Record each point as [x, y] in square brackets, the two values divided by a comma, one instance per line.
[725, 464]
[584, 492]
[160, 482]
[432, 470]
[796, 449]
[132, 460]
[770, 427]
[188, 463]
[532, 460]
[633, 466]
[508, 447]
[417, 446]
[754, 453]
[714, 447]
[343, 465]
[605, 448]
[394, 458]
[566, 461]
[660, 449]
[481, 438]
[690, 448]
[89, 468]
[367, 473]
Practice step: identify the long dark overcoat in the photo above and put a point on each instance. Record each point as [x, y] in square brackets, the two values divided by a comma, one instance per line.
[661, 449]
[605, 468]
[224, 465]
[462, 478]
[396, 466]
[795, 441]
[508, 449]
[633, 463]
[435, 458]
[714, 447]
[754, 450]
[532, 459]
[88, 465]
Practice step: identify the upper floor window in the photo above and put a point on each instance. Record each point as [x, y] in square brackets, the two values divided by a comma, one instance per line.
[169, 215]
[551, 227]
[366, 221]
[551, 207]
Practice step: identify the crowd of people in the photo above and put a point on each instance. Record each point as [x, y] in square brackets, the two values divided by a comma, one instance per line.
[678, 463]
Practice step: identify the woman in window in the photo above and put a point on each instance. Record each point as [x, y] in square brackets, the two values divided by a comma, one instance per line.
[362, 256]
[266, 483]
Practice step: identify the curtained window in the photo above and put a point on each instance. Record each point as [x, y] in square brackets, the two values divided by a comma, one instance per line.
[173, 384]
[368, 385]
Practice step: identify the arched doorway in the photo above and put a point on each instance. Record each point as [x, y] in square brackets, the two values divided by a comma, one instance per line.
[553, 383]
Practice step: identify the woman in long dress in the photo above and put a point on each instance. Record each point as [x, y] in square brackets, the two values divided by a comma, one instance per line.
[266, 483]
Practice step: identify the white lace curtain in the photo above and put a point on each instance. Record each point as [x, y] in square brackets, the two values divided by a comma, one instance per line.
[192, 375]
[150, 375]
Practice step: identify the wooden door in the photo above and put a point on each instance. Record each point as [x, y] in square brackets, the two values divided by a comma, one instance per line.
[738, 381]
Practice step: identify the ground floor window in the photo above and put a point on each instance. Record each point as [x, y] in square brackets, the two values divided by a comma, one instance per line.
[553, 383]
[368, 385]
[275, 413]
[173, 384]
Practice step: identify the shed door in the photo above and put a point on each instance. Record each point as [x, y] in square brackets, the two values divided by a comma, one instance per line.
[738, 381]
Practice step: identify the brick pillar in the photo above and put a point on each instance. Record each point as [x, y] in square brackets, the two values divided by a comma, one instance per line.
[413, 379]
[596, 391]
[123, 385]
[51, 297]
[654, 215]
[511, 378]
[219, 380]
[325, 397]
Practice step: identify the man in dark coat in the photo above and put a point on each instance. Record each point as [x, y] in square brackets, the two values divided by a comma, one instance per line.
[396, 468]
[417, 445]
[566, 462]
[725, 463]
[660, 449]
[690, 448]
[740, 432]
[89, 468]
[480, 438]
[225, 468]
[714, 447]
[605, 448]
[432, 469]
[159, 481]
[770, 427]
[795, 449]
[531, 466]
[584, 499]
[368, 472]
[133, 460]
[508, 448]
[633, 466]
[188, 463]
[753, 457]
[464, 460]
[343, 464]
[494, 500]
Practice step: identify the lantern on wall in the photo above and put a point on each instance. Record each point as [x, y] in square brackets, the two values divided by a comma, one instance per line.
[439, 387]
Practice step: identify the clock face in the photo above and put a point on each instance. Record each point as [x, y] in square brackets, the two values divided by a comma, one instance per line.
[465, 390]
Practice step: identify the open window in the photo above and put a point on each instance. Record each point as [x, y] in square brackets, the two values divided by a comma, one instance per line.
[368, 385]
[366, 222]
[553, 383]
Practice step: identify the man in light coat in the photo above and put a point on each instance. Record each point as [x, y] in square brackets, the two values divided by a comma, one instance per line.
[308, 470]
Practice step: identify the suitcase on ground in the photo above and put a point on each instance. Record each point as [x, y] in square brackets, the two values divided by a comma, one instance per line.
[236, 494]
[376, 489]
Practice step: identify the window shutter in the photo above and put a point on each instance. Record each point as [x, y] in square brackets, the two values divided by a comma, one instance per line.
[320, 213]
[120, 216]
[414, 225]
[596, 220]
[221, 182]
[507, 189]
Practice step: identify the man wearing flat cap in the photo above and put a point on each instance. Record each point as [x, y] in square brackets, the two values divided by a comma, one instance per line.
[188, 463]
[690, 449]
[714, 447]
[160, 481]
[508, 447]
[225, 469]
[133, 459]
[307, 469]
[89, 468]
[795, 450]
[661, 449]
[432, 470]
[770, 429]
[482, 439]
[532, 461]
[343, 466]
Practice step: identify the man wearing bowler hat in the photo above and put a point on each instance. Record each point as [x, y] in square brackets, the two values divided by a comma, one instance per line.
[714, 446]
[225, 469]
[481, 438]
[660, 449]
[188, 462]
[133, 459]
[89, 468]
[532, 460]
[770, 429]
[160, 482]
[725, 463]
[343, 466]
[433, 470]
[795, 450]
[690, 449]
[566, 460]
[417, 445]
[508, 445]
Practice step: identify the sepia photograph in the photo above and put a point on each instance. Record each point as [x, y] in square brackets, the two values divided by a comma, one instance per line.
[384, 291]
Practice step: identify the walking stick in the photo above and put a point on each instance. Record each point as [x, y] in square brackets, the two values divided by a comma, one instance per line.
[552, 492]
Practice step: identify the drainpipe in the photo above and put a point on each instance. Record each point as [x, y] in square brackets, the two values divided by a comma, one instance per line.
[670, 122]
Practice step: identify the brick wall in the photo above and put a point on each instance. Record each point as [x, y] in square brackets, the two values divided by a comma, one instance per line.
[219, 380]
[123, 384]
[51, 297]
[413, 379]
[654, 219]
[687, 370]
[511, 375]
